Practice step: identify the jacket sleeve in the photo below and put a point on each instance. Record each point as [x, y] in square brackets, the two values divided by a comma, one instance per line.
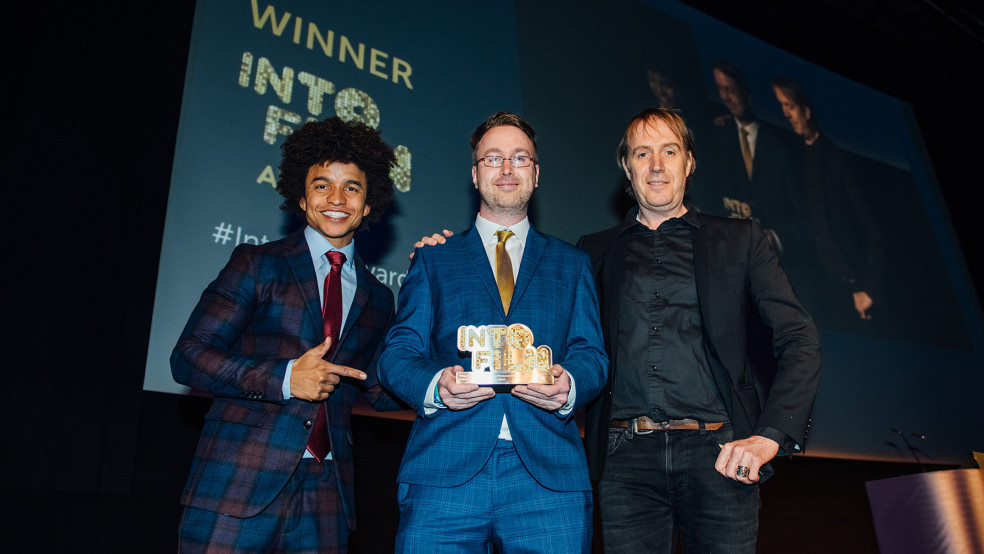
[380, 399]
[586, 360]
[795, 342]
[406, 367]
[209, 355]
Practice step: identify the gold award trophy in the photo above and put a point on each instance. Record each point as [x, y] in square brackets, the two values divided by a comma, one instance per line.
[504, 356]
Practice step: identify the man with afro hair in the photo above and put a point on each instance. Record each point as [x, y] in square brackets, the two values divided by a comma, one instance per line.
[284, 338]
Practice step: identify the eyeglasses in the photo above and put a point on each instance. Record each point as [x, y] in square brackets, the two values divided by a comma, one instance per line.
[496, 161]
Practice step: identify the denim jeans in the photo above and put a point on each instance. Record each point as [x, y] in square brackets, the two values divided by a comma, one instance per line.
[663, 483]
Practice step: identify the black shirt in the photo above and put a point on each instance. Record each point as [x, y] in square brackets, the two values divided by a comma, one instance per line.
[662, 369]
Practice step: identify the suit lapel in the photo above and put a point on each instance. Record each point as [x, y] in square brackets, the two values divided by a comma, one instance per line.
[613, 270]
[299, 258]
[479, 260]
[706, 302]
[532, 256]
[702, 276]
[359, 301]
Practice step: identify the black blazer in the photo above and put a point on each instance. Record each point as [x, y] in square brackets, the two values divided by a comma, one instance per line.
[737, 273]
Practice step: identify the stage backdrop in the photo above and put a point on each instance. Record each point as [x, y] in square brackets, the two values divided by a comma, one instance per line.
[898, 386]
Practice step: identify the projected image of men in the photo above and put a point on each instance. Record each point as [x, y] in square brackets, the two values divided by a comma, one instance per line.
[846, 241]
[751, 170]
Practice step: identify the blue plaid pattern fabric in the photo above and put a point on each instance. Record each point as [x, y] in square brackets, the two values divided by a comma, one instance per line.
[527, 517]
[452, 285]
[306, 517]
[261, 311]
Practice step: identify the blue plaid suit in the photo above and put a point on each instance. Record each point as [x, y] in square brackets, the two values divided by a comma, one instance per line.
[453, 285]
[261, 311]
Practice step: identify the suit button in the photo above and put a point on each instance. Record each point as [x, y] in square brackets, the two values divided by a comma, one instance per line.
[307, 423]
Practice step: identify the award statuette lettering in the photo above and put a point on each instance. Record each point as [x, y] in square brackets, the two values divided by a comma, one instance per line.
[504, 356]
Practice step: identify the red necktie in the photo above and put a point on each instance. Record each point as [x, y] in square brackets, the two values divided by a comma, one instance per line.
[319, 443]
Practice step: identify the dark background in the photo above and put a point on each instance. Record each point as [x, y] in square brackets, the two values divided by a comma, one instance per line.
[91, 96]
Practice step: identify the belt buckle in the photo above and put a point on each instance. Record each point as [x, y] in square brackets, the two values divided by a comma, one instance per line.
[635, 428]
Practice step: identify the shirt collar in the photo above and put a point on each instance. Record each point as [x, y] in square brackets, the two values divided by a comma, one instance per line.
[486, 229]
[692, 218]
[752, 127]
[318, 245]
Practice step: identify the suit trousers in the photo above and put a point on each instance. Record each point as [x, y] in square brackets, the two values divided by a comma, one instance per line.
[662, 484]
[502, 505]
[306, 516]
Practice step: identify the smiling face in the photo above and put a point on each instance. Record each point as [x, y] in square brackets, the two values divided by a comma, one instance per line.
[334, 200]
[657, 166]
[505, 190]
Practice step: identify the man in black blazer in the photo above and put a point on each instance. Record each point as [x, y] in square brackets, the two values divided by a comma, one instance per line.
[679, 439]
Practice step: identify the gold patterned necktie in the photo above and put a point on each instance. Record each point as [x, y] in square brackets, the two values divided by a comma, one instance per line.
[503, 269]
[746, 151]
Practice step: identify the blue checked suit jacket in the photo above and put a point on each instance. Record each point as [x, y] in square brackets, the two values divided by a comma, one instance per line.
[261, 311]
[452, 285]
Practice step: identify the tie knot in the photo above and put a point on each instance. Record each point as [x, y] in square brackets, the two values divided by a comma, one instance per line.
[335, 258]
[504, 234]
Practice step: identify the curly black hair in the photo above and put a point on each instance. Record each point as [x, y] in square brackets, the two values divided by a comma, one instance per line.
[334, 140]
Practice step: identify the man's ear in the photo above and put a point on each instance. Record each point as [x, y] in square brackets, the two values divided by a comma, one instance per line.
[625, 168]
[475, 175]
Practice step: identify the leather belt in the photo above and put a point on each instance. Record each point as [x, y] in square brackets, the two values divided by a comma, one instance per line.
[648, 424]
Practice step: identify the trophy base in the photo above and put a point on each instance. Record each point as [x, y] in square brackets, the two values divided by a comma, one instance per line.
[503, 380]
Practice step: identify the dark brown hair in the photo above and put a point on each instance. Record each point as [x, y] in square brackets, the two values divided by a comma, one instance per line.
[499, 119]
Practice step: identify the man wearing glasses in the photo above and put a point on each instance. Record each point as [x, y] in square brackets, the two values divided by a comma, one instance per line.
[482, 467]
